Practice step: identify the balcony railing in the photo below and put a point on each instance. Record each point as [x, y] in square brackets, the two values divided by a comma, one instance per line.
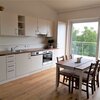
[84, 48]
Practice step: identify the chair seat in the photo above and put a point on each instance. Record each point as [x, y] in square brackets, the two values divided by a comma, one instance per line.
[84, 78]
[91, 73]
[66, 72]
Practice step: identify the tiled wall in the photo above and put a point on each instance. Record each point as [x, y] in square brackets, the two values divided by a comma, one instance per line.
[6, 43]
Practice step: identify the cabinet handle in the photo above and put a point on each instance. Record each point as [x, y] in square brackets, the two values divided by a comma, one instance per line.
[11, 66]
[11, 70]
[10, 61]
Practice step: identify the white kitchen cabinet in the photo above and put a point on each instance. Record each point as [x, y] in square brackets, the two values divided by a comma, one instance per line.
[49, 28]
[22, 64]
[30, 26]
[10, 62]
[2, 68]
[36, 62]
[9, 24]
[45, 27]
[25, 63]
[42, 25]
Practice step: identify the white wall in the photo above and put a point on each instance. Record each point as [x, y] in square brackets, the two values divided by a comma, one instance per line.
[30, 8]
[87, 13]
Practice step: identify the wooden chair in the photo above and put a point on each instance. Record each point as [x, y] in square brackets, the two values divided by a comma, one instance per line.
[64, 73]
[66, 57]
[87, 80]
[96, 77]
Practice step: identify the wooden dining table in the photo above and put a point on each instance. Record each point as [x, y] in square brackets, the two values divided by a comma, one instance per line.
[75, 67]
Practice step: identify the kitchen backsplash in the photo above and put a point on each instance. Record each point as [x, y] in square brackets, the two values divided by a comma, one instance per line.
[6, 43]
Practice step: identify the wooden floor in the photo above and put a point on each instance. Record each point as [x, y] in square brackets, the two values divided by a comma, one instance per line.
[40, 86]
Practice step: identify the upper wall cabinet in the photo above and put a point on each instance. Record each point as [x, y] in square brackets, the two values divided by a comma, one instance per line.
[49, 28]
[45, 27]
[18, 25]
[30, 26]
[42, 26]
[9, 24]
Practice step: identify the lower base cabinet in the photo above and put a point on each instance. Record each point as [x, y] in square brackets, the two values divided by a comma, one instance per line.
[25, 63]
[36, 63]
[3, 72]
[22, 64]
[19, 65]
[10, 63]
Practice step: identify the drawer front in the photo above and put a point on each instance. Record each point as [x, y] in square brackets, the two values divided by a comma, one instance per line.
[10, 58]
[10, 64]
[10, 74]
[11, 68]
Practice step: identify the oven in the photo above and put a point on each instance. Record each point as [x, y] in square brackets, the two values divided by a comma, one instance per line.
[47, 56]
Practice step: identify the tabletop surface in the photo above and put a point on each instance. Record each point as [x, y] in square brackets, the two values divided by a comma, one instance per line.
[73, 64]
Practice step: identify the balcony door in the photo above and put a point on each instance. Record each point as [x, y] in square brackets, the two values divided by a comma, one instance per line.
[84, 39]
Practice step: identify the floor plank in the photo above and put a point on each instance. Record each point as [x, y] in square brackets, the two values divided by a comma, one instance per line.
[40, 86]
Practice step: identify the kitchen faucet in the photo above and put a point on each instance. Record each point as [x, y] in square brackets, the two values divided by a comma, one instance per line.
[13, 48]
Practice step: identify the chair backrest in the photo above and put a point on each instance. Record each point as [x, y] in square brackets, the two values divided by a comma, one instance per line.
[60, 58]
[66, 57]
[94, 69]
[70, 56]
[90, 69]
[98, 66]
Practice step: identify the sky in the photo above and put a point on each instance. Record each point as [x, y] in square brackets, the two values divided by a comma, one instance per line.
[80, 26]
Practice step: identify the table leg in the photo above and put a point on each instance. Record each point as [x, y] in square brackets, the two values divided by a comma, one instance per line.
[57, 76]
[80, 86]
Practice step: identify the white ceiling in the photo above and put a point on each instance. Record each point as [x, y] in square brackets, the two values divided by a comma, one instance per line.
[59, 5]
[68, 5]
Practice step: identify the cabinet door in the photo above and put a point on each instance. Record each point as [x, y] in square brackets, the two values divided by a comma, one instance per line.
[30, 26]
[22, 63]
[2, 68]
[9, 24]
[42, 25]
[25, 63]
[49, 28]
[36, 62]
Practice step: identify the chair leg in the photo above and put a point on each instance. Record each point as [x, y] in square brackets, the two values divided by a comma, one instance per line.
[92, 87]
[72, 85]
[94, 84]
[69, 83]
[58, 80]
[97, 80]
[87, 91]
[77, 83]
[63, 78]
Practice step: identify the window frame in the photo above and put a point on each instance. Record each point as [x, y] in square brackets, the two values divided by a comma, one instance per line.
[71, 22]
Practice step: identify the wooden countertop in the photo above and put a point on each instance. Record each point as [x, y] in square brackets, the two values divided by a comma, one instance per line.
[3, 53]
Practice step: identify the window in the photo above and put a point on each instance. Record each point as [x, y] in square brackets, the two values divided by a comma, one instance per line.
[84, 38]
